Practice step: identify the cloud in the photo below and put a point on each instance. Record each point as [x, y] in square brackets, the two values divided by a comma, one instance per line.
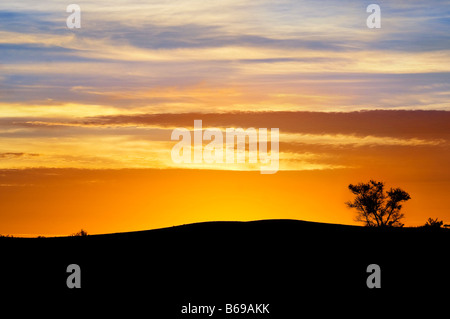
[420, 124]
[417, 126]
[283, 56]
[298, 130]
[308, 140]
[15, 155]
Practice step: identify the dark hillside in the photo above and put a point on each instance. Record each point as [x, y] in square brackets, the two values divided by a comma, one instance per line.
[281, 262]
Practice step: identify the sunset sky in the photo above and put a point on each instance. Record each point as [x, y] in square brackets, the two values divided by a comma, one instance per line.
[86, 114]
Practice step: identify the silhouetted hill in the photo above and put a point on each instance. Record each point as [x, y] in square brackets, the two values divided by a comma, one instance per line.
[281, 262]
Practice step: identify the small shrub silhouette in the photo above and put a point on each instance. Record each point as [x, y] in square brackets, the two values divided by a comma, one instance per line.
[433, 223]
[81, 233]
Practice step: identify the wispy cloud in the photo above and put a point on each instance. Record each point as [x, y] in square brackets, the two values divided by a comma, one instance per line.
[137, 69]
[15, 155]
[308, 140]
[284, 55]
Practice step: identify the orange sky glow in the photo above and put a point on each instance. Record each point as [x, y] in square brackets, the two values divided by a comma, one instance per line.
[86, 115]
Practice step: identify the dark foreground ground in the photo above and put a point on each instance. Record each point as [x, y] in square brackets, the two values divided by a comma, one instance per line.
[293, 266]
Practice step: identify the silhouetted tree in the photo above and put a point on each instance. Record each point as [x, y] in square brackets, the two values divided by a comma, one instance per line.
[433, 223]
[375, 206]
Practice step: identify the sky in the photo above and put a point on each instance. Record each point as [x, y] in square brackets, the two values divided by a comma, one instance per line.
[86, 114]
